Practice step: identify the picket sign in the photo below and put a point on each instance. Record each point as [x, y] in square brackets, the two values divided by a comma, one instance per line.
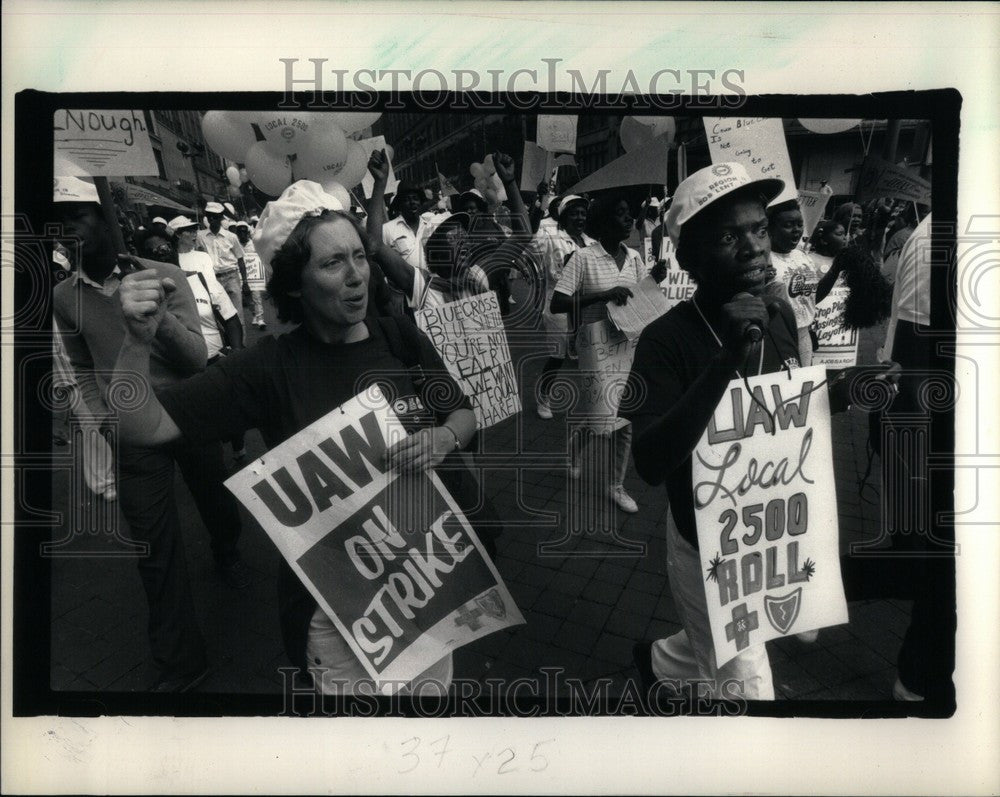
[390, 558]
[605, 358]
[255, 270]
[470, 337]
[766, 512]
[756, 142]
[838, 344]
[102, 144]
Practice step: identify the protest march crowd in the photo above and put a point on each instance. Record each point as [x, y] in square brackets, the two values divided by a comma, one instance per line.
[711, 332]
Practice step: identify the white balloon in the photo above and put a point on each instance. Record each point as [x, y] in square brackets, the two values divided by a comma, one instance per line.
[323, 156]
[227, 133]
[355, 166]
[233, 175]
[829, 125]
[286, 132]
[348, 121]
[335, 189]
[270, 173]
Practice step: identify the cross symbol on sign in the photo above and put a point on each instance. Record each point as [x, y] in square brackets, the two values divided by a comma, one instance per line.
[741, 626]
[470, 617]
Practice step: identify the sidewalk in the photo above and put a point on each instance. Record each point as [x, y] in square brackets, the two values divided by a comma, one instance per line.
[583, 612]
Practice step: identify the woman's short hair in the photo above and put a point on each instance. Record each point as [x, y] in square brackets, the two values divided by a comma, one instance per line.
[291, 257]
[602, 210]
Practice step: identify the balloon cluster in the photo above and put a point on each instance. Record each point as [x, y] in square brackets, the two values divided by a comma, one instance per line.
[487, 182]
[637, 131]
[297, 145]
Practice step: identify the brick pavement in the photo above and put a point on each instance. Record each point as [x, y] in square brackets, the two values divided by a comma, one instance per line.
[586, 600]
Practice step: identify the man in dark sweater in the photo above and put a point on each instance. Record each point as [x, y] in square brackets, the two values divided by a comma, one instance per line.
[87, 308]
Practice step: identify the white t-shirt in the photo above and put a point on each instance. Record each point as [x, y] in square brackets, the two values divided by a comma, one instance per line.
[911, 293]
[198, 267]
[593, 270]
[797, 277]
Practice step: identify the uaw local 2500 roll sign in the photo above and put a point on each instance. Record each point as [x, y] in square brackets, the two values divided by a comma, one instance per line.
[766, 511]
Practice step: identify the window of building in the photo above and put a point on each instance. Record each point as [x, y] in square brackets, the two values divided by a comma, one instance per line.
[161, 172]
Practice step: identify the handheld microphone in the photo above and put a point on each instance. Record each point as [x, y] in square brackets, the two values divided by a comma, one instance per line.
[754, 332]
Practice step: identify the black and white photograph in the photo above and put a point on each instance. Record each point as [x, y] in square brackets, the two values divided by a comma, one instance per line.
[408, 398]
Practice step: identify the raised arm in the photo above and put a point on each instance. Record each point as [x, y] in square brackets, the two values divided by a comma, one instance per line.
[143, 297]
[395, 268]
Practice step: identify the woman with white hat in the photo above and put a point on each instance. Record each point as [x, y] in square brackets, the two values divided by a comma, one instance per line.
[320, 272]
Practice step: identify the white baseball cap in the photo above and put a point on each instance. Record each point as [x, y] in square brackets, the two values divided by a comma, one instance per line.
[178, 223]
[229, 207]
[160, 220]
[564, 202]
[73, 189]
[214, 207]
[708, 185]
[302, 198]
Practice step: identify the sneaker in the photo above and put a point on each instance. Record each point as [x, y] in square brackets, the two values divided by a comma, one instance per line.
[904, 695]
[808, 636]
[110, 494]
[624, 501]
[544, 411]
[184, 683]
[260, 325]
[236, 574]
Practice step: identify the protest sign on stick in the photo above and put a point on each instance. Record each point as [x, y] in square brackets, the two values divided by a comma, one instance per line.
[646, 304]
[605, 357]
[812, 204]
[556, 133]
[470, 337]
[756, 142]
[102, 144]
[678, 285]
[881, 178]
[390, 558]
[838, 344]
[255, 270]
[766, 512]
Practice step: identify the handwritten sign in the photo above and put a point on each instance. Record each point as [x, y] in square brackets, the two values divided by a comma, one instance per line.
[255, 269]
[605, 358]
[102, 144]
[838, 345]
[370, 145]
[556, 133]
[812, 204]
[756, 142]
[389, 558]
[766, 512]
[645, 306]
[469, 335]
[678, 285]
[881, 178]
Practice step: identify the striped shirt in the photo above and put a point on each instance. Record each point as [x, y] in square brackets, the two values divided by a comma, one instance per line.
[592, 270]
[552, 250]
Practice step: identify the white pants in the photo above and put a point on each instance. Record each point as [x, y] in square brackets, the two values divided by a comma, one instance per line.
[690, 653]
[332, 659]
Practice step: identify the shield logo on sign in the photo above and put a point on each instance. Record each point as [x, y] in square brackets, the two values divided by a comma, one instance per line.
[492, 604]
[782, 612]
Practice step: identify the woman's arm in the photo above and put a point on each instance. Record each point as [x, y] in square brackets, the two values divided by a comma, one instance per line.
[395, 268]
[428, 447]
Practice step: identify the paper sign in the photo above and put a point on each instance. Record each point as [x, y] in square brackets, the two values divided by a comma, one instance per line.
[102, 144]
[556, 133]
[370, 145]
[766, 512]
[757, 143]
[645, 306]
[255, 270]
[812, 204]
[470, 337]
[678, 286]
[605, 358]
[391, 559]
[838, 345]
[534, 166]
[880, 178]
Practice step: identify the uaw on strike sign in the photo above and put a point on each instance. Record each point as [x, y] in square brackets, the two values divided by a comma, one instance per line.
[766, 511]
[390, 558]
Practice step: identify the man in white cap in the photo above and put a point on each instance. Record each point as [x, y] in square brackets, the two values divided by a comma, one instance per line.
[227, 256]
[683, 365]
[87, 309]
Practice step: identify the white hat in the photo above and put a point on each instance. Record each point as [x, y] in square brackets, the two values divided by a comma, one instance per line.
[564, 202]
[708, 185]
[214, 207]
[236, 224]
[254, 219]
[652, 202]
[302, 198]
[160, 220]
[229, 207]
[73, 189]
[178, 223]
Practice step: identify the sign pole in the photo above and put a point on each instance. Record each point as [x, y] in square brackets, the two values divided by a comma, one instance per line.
[110, 217]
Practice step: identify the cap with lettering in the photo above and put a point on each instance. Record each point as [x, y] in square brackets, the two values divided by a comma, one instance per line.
[73, 189]
[707, 186]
